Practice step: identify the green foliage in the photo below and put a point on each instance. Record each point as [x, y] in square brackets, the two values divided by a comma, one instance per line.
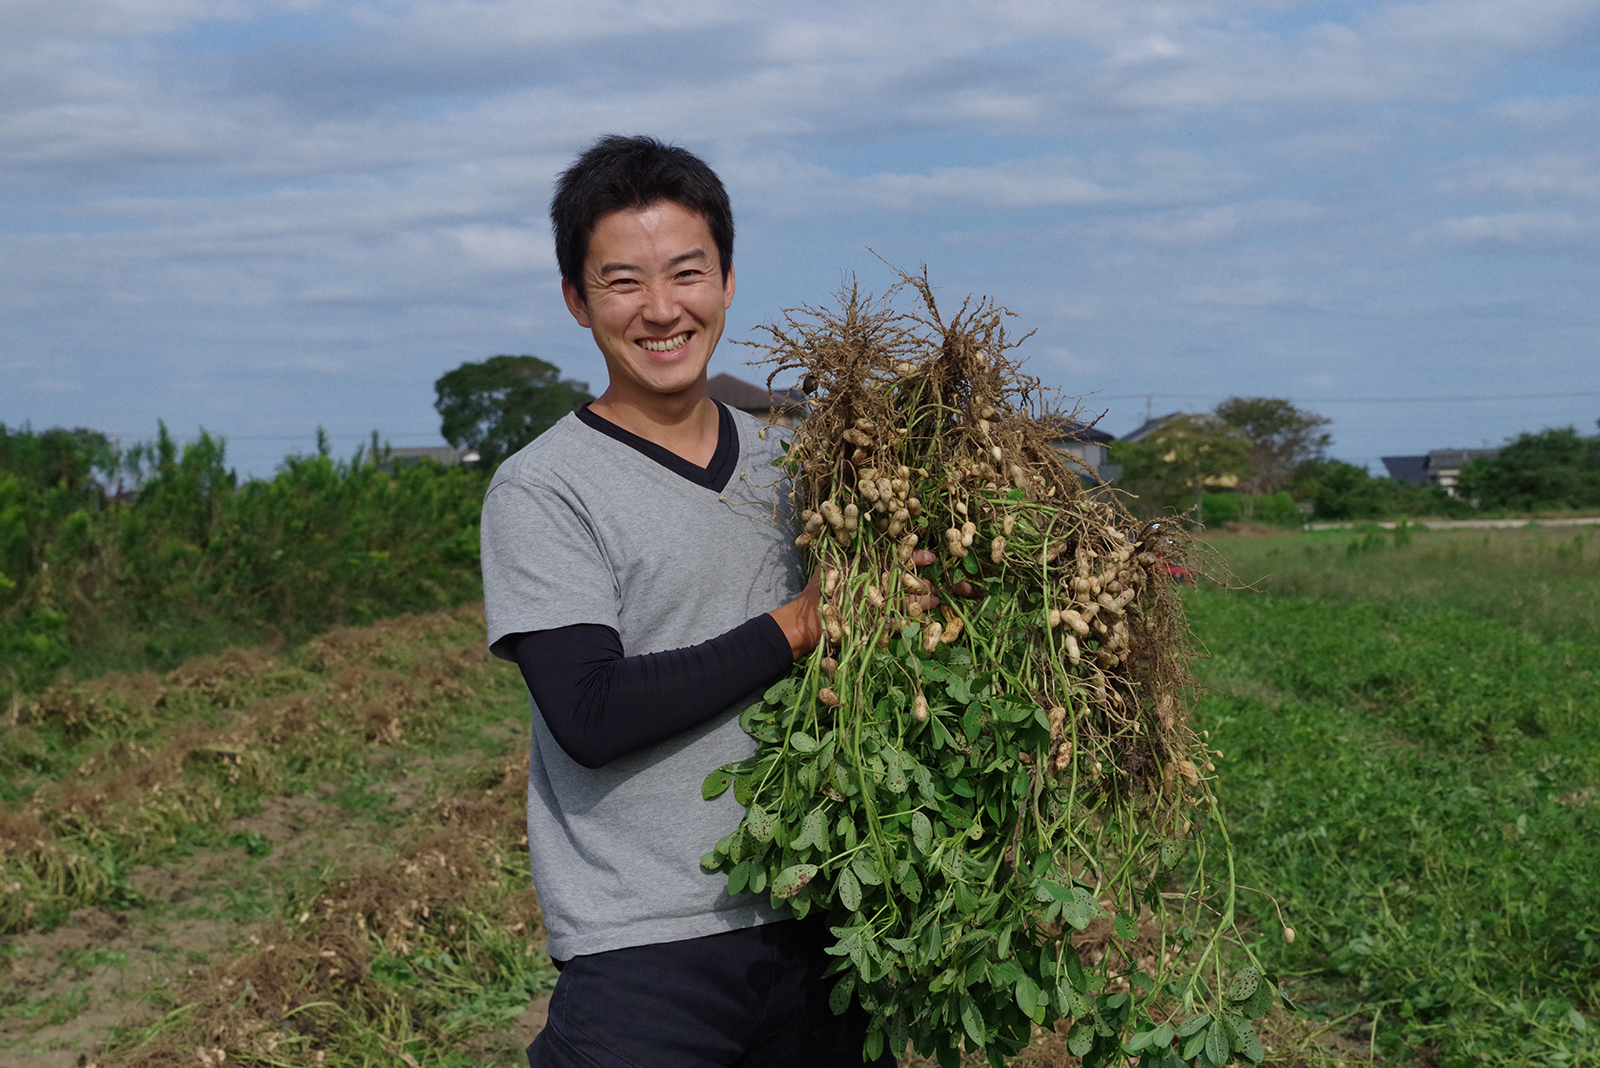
[1551, 469]
[1338, 490]
[1167, 470]
[501, 404]
[1281, 437]
[1277, 509]
[964, 796]
[1410, 766]
[47, 490]
[197, 561]
[933, 847]
[58, 457]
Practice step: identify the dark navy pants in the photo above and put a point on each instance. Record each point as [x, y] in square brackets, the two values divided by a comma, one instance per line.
[754, 998]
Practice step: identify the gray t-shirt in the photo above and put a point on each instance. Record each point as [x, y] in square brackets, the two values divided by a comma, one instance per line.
[579, 527]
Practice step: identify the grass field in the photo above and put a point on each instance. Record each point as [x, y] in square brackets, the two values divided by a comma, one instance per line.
[1413, 768]
[314, 856]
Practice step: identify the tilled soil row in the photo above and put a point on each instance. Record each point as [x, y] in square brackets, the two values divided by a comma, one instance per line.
[426, 955]
[150, 762]
[359, 926]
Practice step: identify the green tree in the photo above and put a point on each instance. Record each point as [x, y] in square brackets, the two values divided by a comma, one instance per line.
[1168, 470]
[1281, 437]
[46, 478]
[501, 404]
[1338, 490]
[1553, 468]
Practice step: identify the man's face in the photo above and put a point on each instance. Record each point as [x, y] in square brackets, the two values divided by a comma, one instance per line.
[656, 298]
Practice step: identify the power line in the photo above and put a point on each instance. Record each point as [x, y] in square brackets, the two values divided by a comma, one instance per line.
[1088, 397]
[332, 434]
[1358, 400]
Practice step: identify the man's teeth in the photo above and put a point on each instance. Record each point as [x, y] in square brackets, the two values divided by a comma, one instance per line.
[667, 345]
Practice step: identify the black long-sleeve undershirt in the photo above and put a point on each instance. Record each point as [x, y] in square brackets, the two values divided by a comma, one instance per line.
[601, 705]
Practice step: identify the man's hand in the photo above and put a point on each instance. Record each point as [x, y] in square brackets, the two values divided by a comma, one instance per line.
[801, 618]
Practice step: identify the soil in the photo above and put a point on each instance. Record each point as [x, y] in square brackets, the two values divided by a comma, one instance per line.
[63, 991]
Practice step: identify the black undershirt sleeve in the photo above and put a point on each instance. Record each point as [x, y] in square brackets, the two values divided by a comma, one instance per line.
[601, 705]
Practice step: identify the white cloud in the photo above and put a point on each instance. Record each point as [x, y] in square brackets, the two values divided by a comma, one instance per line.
[1033, 183]
[1532, 228]
[301, 188]
[1541, 112]
[1245, 293]
[1224, 223]
[1561, 175]
[507, 248]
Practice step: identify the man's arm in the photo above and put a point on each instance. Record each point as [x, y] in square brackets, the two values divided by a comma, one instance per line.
[601, 705]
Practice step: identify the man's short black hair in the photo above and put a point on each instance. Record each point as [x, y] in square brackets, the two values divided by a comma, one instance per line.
[617, 173]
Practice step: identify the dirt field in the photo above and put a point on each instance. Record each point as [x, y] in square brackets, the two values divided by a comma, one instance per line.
[202, 865]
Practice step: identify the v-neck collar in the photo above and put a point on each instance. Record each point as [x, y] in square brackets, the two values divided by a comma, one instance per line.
[714, 476]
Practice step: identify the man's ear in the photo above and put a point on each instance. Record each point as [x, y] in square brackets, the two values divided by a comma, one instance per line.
[727, 290]
[580, 307]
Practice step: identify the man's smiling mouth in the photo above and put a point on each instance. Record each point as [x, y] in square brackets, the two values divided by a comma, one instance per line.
[666, 344]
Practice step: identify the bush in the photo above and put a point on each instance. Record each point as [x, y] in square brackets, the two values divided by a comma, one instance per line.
[1551, 469]
[1338, 490]
[195, 561]
[1277, 509]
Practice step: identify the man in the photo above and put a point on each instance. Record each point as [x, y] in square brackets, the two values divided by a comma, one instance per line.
[639, 567]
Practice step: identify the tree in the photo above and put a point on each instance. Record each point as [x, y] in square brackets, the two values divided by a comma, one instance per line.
[501, 404]
[1553, 468]
[1338, 490]
[1281, 437]
[57, 457]
[1168, 470]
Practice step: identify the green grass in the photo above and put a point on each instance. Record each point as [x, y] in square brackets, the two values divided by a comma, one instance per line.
[1413, 756]
[1542, 581]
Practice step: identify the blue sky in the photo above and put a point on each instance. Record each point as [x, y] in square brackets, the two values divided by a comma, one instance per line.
[262, 216]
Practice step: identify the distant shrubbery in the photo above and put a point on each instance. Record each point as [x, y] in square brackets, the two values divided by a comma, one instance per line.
[191, 561]
[1256, 460]
[1338, 490]
[1253, 459]
[1551, 469]
[1276, 509]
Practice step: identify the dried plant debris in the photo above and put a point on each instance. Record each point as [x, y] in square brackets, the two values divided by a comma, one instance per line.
[964, 789]
[413, 959]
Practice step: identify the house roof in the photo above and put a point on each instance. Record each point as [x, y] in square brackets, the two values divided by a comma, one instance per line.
[737, 393]
[1066, 427]
[1453, 459]
[1150, 426]
[1410, 469]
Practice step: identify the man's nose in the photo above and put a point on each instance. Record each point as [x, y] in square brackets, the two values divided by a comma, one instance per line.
[661, 304]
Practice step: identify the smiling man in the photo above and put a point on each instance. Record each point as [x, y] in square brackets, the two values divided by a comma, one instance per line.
[639, 567]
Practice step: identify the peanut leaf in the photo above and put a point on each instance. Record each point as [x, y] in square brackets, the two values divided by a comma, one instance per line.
[792, 880]
[716, 784]
[849, 890]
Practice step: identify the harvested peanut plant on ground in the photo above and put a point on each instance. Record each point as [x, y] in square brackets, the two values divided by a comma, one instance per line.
[964, 790]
